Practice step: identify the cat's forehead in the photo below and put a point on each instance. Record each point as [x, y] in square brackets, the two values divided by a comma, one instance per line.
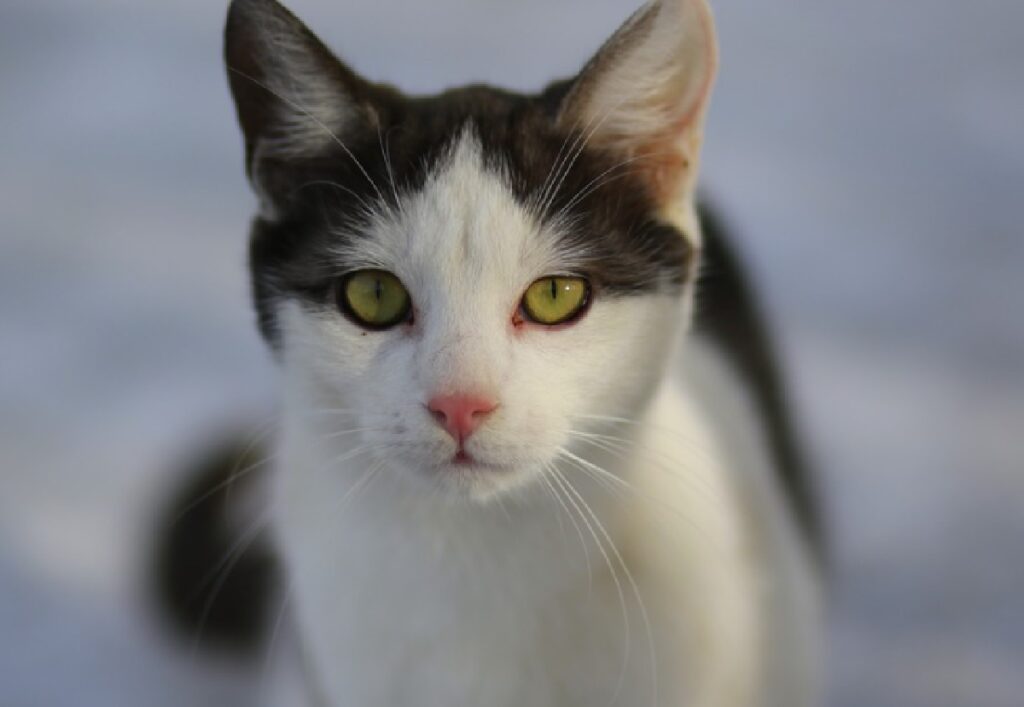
[465, 222]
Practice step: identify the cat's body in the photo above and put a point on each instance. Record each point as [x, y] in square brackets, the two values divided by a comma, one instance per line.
[486, 497]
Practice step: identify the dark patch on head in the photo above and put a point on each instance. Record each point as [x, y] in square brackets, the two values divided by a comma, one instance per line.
[319, 199]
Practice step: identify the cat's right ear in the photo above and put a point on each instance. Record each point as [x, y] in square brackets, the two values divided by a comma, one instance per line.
[293, 96]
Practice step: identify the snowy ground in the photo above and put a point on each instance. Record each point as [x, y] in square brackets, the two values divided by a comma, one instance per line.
[871, 155]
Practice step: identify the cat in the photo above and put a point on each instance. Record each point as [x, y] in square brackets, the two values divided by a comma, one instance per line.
[533, 448]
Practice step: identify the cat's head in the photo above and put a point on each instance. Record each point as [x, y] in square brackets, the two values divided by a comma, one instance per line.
[471, 277]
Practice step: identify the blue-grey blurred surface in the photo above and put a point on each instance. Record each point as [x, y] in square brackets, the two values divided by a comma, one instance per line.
[869, 154]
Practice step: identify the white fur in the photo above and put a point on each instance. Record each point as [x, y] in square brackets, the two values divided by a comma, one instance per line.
[429, 585]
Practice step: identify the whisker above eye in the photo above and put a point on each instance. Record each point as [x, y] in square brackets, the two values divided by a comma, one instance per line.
[385, 153]
[585, 134]
[368, 212]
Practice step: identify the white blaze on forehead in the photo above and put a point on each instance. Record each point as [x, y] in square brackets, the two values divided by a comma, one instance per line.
[464, 236]
[466, 248]
[466, 218]
[467, 223]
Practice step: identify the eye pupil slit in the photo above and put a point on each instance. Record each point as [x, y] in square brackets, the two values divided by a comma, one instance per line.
[555, 300]
[374, 299]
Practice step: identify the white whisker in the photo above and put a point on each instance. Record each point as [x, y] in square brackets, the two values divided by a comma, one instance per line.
[632, 583]
[570, 493]
[579, 146]
[579, 531]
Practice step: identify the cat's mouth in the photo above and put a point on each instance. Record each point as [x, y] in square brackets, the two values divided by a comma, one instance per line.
[480, 480]
[464, 461]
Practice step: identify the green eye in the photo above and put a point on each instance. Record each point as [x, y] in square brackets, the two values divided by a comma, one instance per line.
[374, 299]
[556, 300]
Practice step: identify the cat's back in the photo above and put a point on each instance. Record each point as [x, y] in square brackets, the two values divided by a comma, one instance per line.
[729, 321]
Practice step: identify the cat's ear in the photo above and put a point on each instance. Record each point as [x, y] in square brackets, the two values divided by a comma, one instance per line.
[294, 97]
[645, 93]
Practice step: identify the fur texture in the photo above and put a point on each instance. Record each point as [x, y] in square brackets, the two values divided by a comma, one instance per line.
[620, 534]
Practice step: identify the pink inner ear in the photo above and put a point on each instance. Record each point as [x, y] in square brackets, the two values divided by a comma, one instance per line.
[665, 157]
[664, 166]
[662, 159]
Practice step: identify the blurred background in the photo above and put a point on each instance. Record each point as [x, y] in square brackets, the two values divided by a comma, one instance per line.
[870, 156]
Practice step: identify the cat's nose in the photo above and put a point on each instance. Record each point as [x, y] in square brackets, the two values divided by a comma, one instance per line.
[460, 414]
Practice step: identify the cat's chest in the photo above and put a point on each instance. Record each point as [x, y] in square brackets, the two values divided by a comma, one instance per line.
[416, 638]
[406, 615]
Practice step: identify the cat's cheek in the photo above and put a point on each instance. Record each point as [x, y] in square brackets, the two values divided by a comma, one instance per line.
[641, 330]
[323, 342]
[548, 386]
[543, 409]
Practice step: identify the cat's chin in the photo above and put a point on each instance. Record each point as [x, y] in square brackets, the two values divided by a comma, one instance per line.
[480, 481]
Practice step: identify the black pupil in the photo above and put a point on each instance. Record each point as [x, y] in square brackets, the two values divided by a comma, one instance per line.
[554, 288]
[378, 289]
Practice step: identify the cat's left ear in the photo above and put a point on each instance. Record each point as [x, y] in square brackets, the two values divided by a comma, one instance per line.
[645, 93]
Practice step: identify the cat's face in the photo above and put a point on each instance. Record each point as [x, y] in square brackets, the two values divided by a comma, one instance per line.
[469, 280]
[466, 249]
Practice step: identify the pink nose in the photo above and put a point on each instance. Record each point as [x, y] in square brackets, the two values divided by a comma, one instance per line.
[460, 414]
